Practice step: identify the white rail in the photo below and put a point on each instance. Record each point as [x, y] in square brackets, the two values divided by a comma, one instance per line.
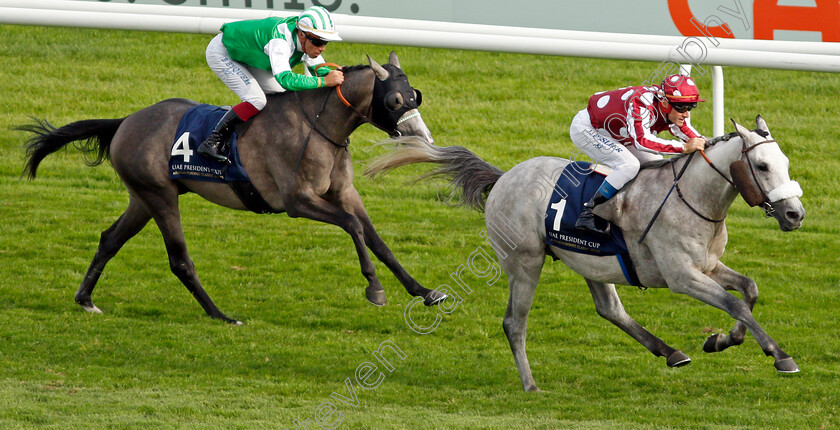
[808, 56]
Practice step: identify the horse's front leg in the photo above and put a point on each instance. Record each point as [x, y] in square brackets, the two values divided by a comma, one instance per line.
[695, 284]
[316, 208]
[732, 280]
[351, 202]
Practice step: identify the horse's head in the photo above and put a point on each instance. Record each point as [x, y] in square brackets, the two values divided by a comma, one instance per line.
[395, 102]
[761, 176]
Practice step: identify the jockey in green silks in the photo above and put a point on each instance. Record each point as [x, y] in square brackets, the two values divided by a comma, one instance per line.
[255, 57]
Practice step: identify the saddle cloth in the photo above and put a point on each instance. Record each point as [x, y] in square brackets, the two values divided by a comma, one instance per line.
[576, 185]
[185, 163]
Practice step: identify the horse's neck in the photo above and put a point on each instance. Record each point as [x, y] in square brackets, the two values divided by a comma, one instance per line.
[704, 187]
[358, 89]
[325, 110]
[725, 152]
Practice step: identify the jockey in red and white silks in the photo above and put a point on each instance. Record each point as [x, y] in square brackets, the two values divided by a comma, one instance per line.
[619, 129]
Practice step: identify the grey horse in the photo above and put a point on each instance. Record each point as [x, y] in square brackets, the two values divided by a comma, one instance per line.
[517, 201]
[294, 152]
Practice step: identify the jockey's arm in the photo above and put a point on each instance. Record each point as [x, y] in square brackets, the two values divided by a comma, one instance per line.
[279, 53]
[644, 139]
[693, 140]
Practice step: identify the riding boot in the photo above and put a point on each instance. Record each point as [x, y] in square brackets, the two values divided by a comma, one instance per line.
[587, 220]
[213, 146]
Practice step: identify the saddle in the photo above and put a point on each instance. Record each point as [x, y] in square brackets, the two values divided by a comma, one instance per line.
[185, 163]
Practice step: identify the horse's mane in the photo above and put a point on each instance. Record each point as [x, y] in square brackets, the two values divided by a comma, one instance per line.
[352, 69]
[344, 69]
[709, 143]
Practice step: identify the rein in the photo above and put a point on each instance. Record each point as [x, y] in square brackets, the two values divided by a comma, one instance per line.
[365, 118]
[313, 125]
[768, 210]
[679, 193]
[712, 165]
[659, 209]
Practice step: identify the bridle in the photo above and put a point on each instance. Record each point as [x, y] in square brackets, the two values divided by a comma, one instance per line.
[741, 171]
[313, 124]
[368, 118]
[752, 192]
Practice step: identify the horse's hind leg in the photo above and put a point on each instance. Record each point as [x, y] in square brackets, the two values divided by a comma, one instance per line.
[110, 242]
[732, 280]
[608, 305]
[523, 269]
[163, 204]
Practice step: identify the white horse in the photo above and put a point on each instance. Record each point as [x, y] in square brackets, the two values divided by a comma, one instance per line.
[681, 251]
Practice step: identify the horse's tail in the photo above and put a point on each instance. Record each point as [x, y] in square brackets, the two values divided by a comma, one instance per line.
[465, 170]
[96, 135]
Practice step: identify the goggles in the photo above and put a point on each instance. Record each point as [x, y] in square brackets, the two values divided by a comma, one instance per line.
[684, 107]
[315, 41]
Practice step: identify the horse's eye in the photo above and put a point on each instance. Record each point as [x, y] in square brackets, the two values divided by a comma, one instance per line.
[393, 101]
[762, 167]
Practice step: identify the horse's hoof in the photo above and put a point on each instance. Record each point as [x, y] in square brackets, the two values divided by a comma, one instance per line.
[433, 298]
[231, 321]
[786, 365]
[678, 359]
[377, 297]
[90, 307]
[531, 389]
[711, 344]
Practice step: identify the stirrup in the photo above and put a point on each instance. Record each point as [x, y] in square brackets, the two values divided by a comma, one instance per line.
[587, 221]
[212, 151]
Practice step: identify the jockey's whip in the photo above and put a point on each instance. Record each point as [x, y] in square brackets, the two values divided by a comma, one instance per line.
[656, 214]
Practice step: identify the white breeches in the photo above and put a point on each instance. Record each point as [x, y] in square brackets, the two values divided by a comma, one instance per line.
[249, 83]
[603, 149]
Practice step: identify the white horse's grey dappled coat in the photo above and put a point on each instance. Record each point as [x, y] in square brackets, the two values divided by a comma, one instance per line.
[681, 252]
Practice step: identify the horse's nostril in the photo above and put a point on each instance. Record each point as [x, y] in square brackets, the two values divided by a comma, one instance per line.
[792, 215]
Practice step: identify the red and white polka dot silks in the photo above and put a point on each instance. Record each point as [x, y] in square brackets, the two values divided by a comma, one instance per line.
[681, 89]
[632, 116]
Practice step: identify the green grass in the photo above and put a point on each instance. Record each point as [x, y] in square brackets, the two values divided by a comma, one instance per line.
[153, 360]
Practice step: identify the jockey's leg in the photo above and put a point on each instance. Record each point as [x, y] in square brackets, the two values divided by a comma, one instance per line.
[603, 149]
[213, 146]
[241, 80]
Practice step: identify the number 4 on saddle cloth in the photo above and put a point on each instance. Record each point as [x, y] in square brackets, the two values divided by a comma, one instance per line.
[185, 163]
[576, 185]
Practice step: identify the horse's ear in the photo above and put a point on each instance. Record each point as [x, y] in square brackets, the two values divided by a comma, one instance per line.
[380, 71]
[394, 60]
[761, 124]
[742, 131]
